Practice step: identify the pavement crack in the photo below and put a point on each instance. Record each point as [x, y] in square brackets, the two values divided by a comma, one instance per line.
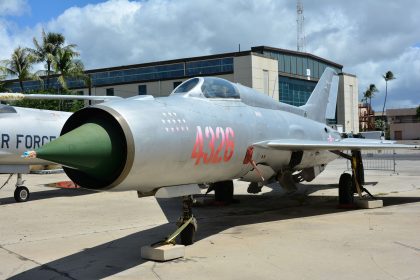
[41, 266]
[154, 272]
[381, 269]
[407, 246]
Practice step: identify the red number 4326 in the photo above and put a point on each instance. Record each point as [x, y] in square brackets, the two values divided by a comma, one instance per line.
[220, 143]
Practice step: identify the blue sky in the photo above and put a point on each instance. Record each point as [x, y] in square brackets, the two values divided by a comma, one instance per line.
[42, 11]
[376, 36]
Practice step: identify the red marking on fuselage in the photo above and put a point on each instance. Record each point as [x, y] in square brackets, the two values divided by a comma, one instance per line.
[216, 140]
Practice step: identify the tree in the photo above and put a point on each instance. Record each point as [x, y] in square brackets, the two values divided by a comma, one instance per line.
[418, 112]
[2, 83]
[369, 93]
[66, 66]
[47, 49]
[19, 65]
[57, 105]
[387, 77]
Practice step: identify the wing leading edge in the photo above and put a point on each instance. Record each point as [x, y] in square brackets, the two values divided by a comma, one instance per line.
[337, 145]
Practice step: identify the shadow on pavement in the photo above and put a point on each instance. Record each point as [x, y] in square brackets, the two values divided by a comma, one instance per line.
[46, 195]
[124, 253]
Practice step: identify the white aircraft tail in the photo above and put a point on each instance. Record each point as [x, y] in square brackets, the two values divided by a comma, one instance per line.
[323, 96]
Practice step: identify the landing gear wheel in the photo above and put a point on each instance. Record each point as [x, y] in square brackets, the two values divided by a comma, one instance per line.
[21, 194]
[345, 189]
[223, 191]
[187, 235]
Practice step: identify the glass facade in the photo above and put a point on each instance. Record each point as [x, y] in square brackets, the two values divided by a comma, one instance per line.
[142, 74]
[213, 66]
[294, 70]
[299, 64]
[295, 91]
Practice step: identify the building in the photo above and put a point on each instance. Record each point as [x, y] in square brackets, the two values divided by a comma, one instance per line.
[403, 124]
[347, 103]
[366, 117]
[285, 75]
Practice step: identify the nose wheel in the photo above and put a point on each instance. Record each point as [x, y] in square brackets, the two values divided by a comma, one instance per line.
[21, 194]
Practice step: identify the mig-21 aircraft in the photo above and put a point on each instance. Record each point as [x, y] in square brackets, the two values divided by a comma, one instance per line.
[208, 131]
[26, 128]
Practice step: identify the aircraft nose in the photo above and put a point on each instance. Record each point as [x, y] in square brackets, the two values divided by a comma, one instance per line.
[91, 148]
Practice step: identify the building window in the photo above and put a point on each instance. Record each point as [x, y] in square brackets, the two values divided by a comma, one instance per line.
[79, 92]
[110, 91]
[266, 82]
[177, 84]
[142, 89]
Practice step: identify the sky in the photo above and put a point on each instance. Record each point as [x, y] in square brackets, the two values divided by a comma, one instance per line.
[368, 37]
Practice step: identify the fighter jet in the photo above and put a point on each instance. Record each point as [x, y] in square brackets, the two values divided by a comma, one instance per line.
[208, 131]
[25, 128]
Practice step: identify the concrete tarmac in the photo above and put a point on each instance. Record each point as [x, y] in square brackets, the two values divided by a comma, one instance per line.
[76, 234]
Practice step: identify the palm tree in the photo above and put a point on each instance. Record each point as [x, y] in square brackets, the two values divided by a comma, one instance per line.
[19, 65]
[66, 66]
[369, 93]
[47, 49]
[387, 77]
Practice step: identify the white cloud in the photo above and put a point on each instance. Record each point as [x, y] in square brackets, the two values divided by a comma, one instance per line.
[367, 37]
[13, 7]
[123, 32]
[10, 35]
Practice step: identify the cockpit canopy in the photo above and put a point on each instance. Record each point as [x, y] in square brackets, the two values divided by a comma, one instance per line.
[207, 87]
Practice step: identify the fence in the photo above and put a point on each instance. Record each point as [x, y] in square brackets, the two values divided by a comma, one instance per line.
[378, 160]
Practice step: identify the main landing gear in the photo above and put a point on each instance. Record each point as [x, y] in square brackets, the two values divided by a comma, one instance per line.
[350, 184]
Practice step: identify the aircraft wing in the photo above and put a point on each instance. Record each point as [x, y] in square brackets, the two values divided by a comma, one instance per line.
[337, 145]
[7, 96]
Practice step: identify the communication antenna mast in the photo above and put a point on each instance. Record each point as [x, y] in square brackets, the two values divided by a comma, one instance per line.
[300, 20]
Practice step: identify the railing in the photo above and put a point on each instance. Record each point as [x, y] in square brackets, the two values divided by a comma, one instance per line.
[378, 160]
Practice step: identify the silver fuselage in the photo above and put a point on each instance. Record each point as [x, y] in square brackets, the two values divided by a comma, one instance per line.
[167, 133]
[25, 129]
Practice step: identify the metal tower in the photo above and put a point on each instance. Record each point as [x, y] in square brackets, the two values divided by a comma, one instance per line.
[300, 24]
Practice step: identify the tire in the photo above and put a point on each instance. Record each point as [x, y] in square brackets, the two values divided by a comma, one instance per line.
[187, 235]
[21, 194]
[345, 189]
[223, 191]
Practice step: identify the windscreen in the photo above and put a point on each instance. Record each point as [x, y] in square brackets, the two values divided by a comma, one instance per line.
[186, 86]
[218, 88]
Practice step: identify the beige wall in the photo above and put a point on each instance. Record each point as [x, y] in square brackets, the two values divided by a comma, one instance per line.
[409, 131]
[242, 70]
[249, 71]
[347, 103]
[404, 122]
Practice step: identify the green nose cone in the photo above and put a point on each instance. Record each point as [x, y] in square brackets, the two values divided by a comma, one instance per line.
[90, 148]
